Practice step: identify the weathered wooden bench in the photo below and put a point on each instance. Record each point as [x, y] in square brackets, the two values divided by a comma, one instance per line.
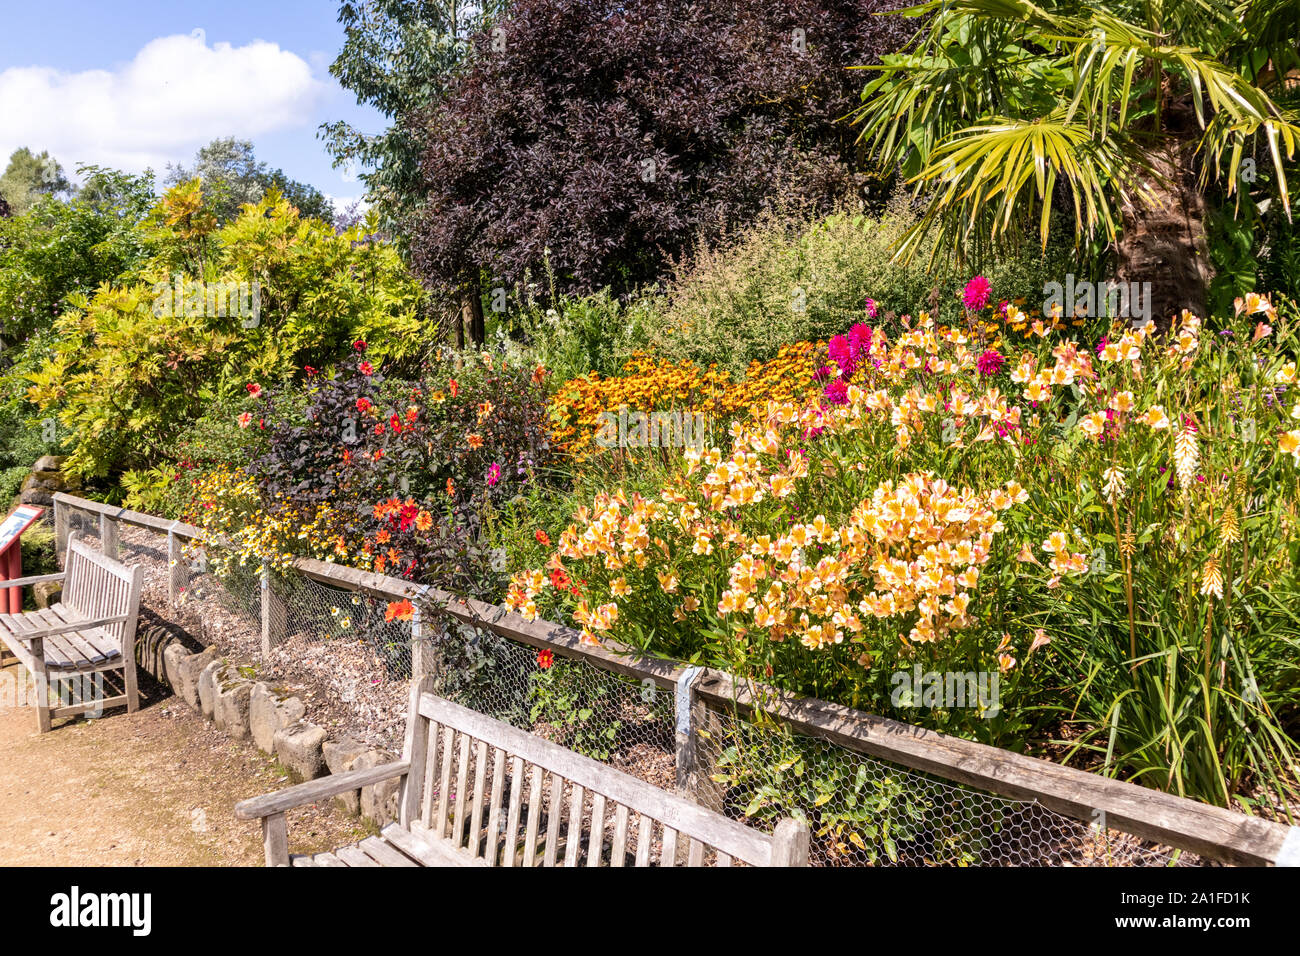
[91, 631]
[468, 781]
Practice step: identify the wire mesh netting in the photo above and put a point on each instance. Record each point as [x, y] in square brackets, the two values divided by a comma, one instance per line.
[351, 659]
[586, 709]
[866, 811]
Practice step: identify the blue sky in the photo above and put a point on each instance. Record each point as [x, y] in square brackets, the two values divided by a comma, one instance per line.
[145, 82]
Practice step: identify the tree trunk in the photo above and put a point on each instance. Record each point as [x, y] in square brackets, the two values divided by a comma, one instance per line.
[471, 317]
[1164, 241]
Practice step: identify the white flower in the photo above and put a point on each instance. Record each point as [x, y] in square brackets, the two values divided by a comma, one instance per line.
[1114, 487]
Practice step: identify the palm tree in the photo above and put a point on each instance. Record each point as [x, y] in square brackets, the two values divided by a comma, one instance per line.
[1001, 110]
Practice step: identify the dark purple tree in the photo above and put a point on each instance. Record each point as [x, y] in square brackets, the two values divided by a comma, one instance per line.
[612, 134]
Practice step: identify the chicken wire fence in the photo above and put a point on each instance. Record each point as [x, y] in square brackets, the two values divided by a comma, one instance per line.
[360, 657]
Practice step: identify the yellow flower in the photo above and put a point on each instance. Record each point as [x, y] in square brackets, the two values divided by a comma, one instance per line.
[1155, 417]
[1289, 444]
[1212, 579]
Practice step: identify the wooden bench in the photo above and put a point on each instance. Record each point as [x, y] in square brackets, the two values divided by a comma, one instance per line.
[467, 782]
[90, 632]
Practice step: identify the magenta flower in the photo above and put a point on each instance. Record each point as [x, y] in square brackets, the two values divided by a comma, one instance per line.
[494, 474]
[990, 362]
[837, 393]
[871, 308]
[859, 339]
[822, 374]
[842, 355]
[976, 294]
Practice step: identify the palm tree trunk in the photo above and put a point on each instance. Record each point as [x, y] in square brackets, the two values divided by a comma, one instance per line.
[1164, 240]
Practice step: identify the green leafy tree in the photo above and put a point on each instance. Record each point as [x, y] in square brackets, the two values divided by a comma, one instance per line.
[211, 311]
[399, 57]
[1125, 112]
[233, 176]
[57, 249]
[28, 177]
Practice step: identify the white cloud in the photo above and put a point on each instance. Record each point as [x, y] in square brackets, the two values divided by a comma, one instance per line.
[178, 94]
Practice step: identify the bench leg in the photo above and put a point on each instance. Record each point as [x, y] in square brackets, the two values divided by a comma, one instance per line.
[275, 836]
[128, 679]
[42, 686]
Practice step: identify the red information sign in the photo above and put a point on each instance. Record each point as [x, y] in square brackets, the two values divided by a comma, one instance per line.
[11, 553]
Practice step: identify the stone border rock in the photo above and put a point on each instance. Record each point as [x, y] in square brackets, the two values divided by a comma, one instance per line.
[231, 697]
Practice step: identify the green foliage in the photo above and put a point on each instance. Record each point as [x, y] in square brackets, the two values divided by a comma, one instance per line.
[853, 806]
[25, 434]
[29, 177]
[999, 108]
[210, 311]
[58, 249]
[1253, 243]
[789, 280]
[581, 334]
[578, 703]
[398, 57]
[232, 176]
[11, 482]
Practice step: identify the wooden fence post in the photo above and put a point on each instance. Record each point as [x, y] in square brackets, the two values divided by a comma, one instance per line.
[274, 613]
[108, 539]
[790, 842]
[420, 662]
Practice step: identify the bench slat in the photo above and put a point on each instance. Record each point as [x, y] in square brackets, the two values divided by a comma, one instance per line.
[494, 813]
[553, 819]
[462, 784]
[61, 655]
[644, 837]
[444, 787]
[426, 848]
[440, 852]
[668, 852]
[534, 815]
[573, 846]
[95, 643]
[620, 836]
[430, 773]
[351, 856]
[476, 812]
[511, 842]
[78, 652]
[596, 836]
[383, 854]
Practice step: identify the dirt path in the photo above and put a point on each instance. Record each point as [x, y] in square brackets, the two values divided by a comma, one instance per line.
[154, 788]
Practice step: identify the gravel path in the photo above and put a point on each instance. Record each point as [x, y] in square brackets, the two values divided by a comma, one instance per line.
[153, 788]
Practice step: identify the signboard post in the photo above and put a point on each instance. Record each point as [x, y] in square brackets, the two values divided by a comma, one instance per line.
[11, 554]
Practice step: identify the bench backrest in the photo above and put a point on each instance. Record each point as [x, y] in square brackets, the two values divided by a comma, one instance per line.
[474, 780]
[98, 587]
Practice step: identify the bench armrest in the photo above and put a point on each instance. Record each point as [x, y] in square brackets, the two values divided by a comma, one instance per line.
[34, 579]
[313, 790]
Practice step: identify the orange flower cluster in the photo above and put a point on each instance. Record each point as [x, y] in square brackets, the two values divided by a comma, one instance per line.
[654, 384]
